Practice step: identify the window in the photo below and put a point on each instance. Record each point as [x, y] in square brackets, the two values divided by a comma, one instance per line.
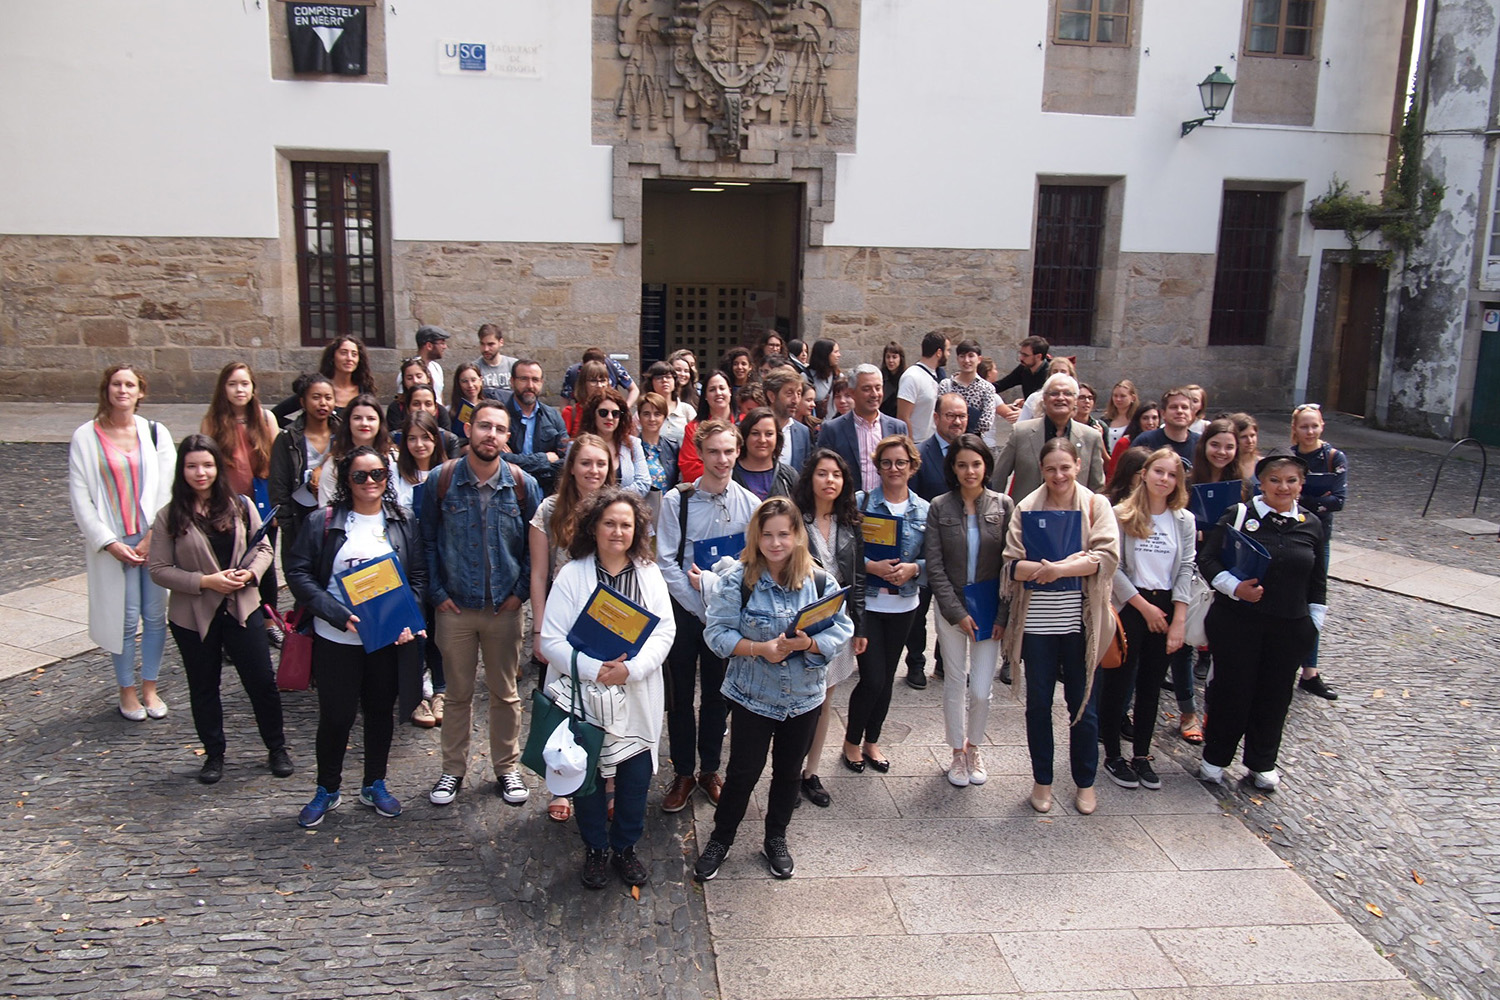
[1065, 274]
[1249, 226]
[340, 285]
[1093, 22]
[1280, 28]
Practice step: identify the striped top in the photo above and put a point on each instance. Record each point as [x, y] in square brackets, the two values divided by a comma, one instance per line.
[122, 471]
[1054, 612]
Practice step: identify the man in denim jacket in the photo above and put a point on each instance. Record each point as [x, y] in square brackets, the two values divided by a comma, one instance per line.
[474, 526]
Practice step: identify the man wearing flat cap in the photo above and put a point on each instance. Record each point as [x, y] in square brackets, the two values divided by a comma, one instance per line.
[432, 344]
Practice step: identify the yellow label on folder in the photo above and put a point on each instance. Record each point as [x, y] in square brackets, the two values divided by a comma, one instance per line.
[879, 531]
[617, 616]
[366, 584]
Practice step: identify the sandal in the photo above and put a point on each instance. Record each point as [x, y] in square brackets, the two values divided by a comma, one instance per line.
[609, 800]
[560, 809]
[1192, 732]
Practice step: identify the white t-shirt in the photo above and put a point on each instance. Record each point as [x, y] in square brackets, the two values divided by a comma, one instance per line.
[1156, 557]
[364, 539]
[919, 386]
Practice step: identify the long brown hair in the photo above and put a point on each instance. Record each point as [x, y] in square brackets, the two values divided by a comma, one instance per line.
[1134, 512]
[222, 509]
[589, 513]
[343, 438]
[222, 423]
[362, 376]
[1203, 470]
[565, 515]
[1110, 413]
[589, 424]
[799, 564]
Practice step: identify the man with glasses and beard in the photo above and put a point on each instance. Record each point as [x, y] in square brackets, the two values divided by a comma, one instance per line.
[539, 438]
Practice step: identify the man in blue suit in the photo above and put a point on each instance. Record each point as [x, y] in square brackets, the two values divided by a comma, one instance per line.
[783, 388]
[855, 434]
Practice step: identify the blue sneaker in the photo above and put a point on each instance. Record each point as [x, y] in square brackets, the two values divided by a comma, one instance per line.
[322, 801]
[376, 797]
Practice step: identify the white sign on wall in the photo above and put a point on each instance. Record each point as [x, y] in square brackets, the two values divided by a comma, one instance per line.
[516, 60]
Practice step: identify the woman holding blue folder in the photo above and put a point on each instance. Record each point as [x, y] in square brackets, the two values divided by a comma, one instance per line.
[1059, 627]
[610, 547]
[965, 539]
[1263, 621]
[363, 523]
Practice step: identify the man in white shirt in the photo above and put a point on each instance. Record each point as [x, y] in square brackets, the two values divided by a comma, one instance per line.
[494, 367]
[917, 393]
[432, 344]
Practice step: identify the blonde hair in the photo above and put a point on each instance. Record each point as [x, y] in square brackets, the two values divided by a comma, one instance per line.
[799, 565]
[1134, 512]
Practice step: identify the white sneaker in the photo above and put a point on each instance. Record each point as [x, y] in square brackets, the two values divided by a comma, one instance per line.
[1266, 781]
[977, 774]
[513, 788]
[958, 773]
[1211, 773]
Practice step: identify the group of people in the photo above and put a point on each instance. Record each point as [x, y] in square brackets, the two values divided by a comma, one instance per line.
[725, 503]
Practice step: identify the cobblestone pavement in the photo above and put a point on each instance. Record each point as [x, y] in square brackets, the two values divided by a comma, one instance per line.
[1389, 797]
[38, 539]
[120, 873]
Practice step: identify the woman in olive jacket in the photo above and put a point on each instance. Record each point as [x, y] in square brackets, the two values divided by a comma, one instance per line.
[970, 659]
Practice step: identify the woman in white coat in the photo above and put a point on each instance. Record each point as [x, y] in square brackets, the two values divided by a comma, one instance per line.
[120, 469]
[611, 547]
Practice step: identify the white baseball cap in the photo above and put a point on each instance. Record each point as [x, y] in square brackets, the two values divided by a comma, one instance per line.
[567, 762]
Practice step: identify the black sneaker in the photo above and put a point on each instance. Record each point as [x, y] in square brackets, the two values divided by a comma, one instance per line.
[815, 792]
[1005, 673]
[778, 857]
[1314, 685]
[213, 769]
[915, 679]
[709, 861]
[280, 763]
[629, 867]
[595, 874]
[1201, 665]
[1145, 772]
[1121, 773]
[1127, 728]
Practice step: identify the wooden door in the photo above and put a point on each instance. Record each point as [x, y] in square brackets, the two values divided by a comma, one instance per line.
[1360, 324]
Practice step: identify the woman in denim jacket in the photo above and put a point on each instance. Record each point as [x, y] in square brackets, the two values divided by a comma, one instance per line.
[774, 684]
[891, 609]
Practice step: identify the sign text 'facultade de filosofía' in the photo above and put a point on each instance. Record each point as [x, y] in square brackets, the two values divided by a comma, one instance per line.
[326, 38]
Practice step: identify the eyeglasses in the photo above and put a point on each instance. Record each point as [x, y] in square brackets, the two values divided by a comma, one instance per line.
[1307, 406]
[1061, 394]
[610, 414]
[361, 476]
[893, 463]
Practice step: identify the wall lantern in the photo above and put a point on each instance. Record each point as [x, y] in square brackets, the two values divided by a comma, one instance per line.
[1214, 92]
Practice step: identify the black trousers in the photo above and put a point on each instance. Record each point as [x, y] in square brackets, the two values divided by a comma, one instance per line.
[203, 661]
[690, 658]
[753, 738]
[1256, 659]
[1146, 661]
[871, 698]
[268, 578]
[351, 680]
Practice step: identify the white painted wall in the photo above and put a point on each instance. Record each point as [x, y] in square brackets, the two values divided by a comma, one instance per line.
[162, 120]
[948, 156]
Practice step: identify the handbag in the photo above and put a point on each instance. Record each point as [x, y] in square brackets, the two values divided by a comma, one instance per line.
[1200, 599]
[1117, 646]
[294, 672]
[546, 716]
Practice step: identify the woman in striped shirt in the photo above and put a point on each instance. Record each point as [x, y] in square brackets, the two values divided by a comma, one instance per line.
[1061, 634]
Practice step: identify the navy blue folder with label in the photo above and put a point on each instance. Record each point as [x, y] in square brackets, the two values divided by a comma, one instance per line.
[819, 615]
[262, 490]
[1209, 501]
[1243, 556]
[611, 625]
[711, 550]
[382, 600]
[983, 603]
[883, 536]
[1053, 535]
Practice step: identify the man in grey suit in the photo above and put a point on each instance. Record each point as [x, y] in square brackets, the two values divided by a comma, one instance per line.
[1022, 453]
[784, 392]
[855, 434]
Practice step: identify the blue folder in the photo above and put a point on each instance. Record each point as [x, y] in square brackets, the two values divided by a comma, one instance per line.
[881, 526]
[380, 597]
[611, 625]
[1053, 535]
[819, 615]
[1243, 556]
[1318, 484]
[1209, 501]
[983, 603]
[711, 550]
[262, 490]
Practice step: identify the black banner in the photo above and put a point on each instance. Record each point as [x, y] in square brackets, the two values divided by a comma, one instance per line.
[326, 38]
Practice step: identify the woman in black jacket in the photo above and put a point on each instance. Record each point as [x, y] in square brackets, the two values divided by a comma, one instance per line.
[824, 492]
[1261, 627]
[295, 453]
[363, 523]
[759, 469]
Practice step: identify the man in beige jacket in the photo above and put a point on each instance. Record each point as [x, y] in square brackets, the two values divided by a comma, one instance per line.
[1021, 454]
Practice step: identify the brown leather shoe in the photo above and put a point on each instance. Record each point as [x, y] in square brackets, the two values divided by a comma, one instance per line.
[677, 796]
[711, 784]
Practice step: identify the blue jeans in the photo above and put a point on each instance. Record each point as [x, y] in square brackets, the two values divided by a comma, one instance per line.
[143, 600]
[1048, 659]
[632, 782]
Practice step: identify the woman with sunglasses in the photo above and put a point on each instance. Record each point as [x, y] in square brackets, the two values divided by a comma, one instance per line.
[607, 415]
[364, 522]
[1332, 466]
[715, 404]
[363, 427]
[203, 556]
[758, 469]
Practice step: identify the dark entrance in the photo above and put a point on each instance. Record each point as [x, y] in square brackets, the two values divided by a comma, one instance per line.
[1357, 332]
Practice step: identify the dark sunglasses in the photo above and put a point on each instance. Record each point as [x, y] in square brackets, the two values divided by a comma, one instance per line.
[611, 414]
[361, 476]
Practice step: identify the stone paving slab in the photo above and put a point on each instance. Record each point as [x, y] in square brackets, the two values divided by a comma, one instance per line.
[42, 625]
[1093, 959]
[795, 968]
[1215, 956]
